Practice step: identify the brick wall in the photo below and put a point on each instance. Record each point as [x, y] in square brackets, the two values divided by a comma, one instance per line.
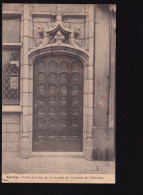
[10, 132]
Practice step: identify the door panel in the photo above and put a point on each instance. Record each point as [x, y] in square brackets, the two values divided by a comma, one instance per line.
[58, 104]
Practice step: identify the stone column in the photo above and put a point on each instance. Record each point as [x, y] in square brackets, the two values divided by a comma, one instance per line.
[88, 91]
[102, 133]
[25, 141]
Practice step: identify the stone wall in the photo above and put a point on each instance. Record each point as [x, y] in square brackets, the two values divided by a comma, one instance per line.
[10, 132]
[104, 80]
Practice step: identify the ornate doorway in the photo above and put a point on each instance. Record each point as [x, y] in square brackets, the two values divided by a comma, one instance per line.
[58, 104]
[58, 39]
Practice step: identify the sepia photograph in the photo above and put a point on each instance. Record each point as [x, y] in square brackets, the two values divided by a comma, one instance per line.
[58, 93]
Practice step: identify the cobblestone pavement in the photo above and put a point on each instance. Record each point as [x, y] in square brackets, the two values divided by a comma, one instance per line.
[12, 163]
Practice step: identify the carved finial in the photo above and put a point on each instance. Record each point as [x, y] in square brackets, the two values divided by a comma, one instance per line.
[86, 8]
[59, 13]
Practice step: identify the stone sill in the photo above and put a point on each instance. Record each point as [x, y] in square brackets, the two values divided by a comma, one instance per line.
[12, 13]
[11, 109]
[12, 44]
[57, 154]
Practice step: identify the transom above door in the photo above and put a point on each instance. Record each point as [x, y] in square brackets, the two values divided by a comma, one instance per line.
[58, 104]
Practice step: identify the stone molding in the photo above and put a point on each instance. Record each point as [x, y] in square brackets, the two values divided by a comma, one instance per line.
[87, 124]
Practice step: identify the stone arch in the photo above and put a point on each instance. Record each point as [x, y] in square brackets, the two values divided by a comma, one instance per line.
[59, 50]
[87, 107]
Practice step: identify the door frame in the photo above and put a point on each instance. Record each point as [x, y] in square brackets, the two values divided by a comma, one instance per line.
[87, 89]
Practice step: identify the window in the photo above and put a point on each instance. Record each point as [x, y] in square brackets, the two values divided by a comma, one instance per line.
[11, 30]
[11, 60]
[10, 79]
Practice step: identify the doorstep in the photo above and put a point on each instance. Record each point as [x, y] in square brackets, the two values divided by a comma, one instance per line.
[58, 154]
[54, 164]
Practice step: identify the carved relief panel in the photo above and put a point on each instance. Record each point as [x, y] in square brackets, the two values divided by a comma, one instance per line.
[59, 26]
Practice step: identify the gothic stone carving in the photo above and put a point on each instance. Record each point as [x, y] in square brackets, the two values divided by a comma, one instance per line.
[59, 33]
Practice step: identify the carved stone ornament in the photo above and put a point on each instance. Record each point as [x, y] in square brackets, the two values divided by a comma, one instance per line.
[58, 33]
[59, 36]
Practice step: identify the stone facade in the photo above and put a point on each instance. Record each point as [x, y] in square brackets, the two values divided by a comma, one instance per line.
[95, 47]
[10, 132]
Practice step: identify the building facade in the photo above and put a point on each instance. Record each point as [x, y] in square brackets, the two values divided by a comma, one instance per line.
[58, 71]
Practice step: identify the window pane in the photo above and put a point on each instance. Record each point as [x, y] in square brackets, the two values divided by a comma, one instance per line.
[10, 76]
[11, 30]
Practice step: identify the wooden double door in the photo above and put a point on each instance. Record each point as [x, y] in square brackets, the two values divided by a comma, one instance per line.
[58, 104]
